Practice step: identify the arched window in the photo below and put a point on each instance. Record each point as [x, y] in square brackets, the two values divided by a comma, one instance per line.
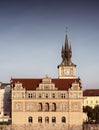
[47, 119]
[54, 119]
[63, 119]
[30, 119]
[39, 119]
[46, 106]
[53, 106]
[40, 107]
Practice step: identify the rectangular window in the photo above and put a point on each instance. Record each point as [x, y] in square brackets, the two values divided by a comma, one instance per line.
[63, 107]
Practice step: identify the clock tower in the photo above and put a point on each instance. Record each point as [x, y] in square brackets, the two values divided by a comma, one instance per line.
[66, 69]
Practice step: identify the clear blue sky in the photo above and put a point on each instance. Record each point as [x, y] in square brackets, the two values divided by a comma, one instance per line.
[32, 33]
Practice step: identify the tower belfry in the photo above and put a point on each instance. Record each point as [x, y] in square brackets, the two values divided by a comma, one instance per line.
[67, 67]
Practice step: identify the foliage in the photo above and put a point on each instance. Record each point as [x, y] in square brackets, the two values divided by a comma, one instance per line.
[92, 113]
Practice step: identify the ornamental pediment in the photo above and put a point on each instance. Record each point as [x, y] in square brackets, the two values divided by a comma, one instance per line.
[18, 86]
[75, 86]
[46, 84]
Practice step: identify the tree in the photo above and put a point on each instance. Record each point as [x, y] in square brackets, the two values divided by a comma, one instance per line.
[90, 113]
[96, 113]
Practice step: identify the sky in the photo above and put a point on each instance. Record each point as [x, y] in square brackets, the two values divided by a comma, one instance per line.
[32, 33]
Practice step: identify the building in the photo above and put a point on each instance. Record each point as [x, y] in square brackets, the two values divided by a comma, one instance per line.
[91, 97]
[5, 101]
[48, 103]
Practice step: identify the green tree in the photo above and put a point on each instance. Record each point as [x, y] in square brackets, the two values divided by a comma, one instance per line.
[96, 113]
[90, 113]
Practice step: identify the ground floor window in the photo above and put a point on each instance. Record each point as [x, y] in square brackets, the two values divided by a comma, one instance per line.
[46, 119]
[30, 119]
[63, 119]
[40, 119]
[53, 119]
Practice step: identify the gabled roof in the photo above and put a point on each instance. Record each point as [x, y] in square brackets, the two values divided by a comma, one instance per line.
[32, 84]
[91, 92]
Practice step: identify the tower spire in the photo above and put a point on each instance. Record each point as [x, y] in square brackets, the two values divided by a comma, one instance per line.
[66, 53]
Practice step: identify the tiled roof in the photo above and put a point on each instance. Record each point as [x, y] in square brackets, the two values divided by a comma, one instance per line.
[32, 84]
[91, 92]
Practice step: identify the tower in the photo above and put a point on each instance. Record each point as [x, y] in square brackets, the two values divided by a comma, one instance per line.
[67, 69]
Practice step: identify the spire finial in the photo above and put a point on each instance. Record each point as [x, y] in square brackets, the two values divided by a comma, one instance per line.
[66, 29]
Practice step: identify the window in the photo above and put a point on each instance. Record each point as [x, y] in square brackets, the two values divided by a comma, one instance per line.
[91, 102]
[34, 95]
[53, 119]
[96, 101]
[18, 106]
[40, 95]
[29, 106]
[30, 120]
[54, 107]
[46, 106]
[87, 102]
[30, 95]
[63, 95]
[46, 95]
[17, 95]
[63, 119]
[47, 119]
[53, 95]
[75, 95]
[40, 107]
[63, 106]
[39, 119]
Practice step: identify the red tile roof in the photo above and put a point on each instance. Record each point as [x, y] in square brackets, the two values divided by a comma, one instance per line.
[32, 84]
[91, 92]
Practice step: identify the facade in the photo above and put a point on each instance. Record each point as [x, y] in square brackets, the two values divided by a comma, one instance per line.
[5, 101]
[48, 103]
[91, 97]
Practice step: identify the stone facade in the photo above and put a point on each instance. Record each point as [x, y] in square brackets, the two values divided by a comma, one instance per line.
[5, 101]
[49, 103]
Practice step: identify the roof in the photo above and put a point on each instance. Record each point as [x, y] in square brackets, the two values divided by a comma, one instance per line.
[91, 92]
[32, 84]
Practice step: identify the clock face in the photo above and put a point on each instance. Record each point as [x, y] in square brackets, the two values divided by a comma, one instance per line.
[67, 72]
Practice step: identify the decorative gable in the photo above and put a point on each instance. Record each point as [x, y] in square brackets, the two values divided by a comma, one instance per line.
[46, 84]
[18, 86]
[75, 86]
